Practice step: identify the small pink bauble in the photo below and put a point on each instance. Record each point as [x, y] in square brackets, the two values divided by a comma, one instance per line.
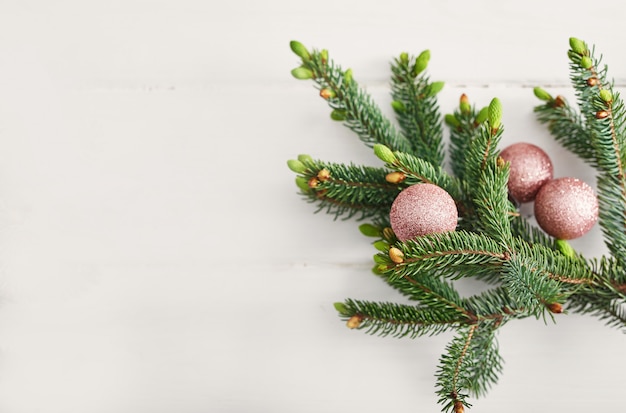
[530, 168]
[422, 209]
[566, 208]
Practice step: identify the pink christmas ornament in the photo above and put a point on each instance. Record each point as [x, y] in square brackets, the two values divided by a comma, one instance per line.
[422, 209]
[566, 208]
[530, 168]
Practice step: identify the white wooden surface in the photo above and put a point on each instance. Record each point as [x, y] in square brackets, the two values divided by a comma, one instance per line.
[155, 256]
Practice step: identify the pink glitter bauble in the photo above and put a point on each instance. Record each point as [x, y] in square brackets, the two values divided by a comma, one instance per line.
[530, 168]
[422, 209]
[566, 208]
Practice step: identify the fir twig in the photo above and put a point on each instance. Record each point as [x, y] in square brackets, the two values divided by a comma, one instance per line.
[345, 190]
[399, 320]
[416, 107]
[349, 103]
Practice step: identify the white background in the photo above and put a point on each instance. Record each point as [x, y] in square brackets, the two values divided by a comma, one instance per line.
[154, 253]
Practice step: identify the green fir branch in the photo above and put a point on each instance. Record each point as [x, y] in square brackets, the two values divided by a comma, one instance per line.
[529, 233]
[399, 320]
[533, 292]
[494, 305]
[451, 254]
[349, 103]
[487, 363]
[416, 170]
[471, 364]
[464, 126]
[611, 311]
[487, 178]
[566, 126]
[604, 114]
[493, 208]
[345, 190]
[416, 108]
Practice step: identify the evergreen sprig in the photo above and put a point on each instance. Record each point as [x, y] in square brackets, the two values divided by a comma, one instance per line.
[349, 103]
[416, 108]
[530, 274]
[345, 190]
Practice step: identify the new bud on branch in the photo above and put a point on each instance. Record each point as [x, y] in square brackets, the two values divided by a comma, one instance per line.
[300, 51]
[495, 114]
[384, 153]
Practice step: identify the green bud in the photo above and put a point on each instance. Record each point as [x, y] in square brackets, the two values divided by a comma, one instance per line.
[435, 88]
[381, 246]
[421, 62]
[398, 106]
[327, 93]
[565, 248]
[577, 46]
[482, 115]
[347, 77]
[404, 58]
[302, 73]
[389, 236]
[381, 259]
[451, 120]
[464, 104]
[542, 94]
[338, 115]
[299, 49]
[384, 153]
[341, 308]
[302, 183]
[324, 55]
[586, 62]
[304, 158]
[606, 95]
[296, 166]
[369, 230]
[495, 114]
[379, 269]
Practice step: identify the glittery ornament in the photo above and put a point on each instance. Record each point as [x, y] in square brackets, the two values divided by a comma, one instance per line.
[530, 168]
[566, 208]
[422, 209]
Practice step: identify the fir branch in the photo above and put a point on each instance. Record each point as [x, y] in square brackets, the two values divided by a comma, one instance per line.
[531, 234]
[464, 126]
[350, 103]
[452, 373]
[571, 271]
[487, 362]
[429, 290]
[416, 107]
[471, 364]
[487, 177]
[415, 170]
[612, 311]
[451, 254]
[494, 305]
[567, 127]
[345, 190]
[604, 115]
[493, 208]
[535, 293]
[400, 320]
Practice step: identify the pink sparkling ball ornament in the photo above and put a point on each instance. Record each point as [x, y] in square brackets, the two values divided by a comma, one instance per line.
[530, 168]
[566, 208]
[422, 209]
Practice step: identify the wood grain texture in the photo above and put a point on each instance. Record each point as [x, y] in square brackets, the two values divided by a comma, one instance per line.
[154, 253]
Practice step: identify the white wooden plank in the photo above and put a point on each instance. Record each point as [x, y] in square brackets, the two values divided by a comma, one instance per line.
[155, 255]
